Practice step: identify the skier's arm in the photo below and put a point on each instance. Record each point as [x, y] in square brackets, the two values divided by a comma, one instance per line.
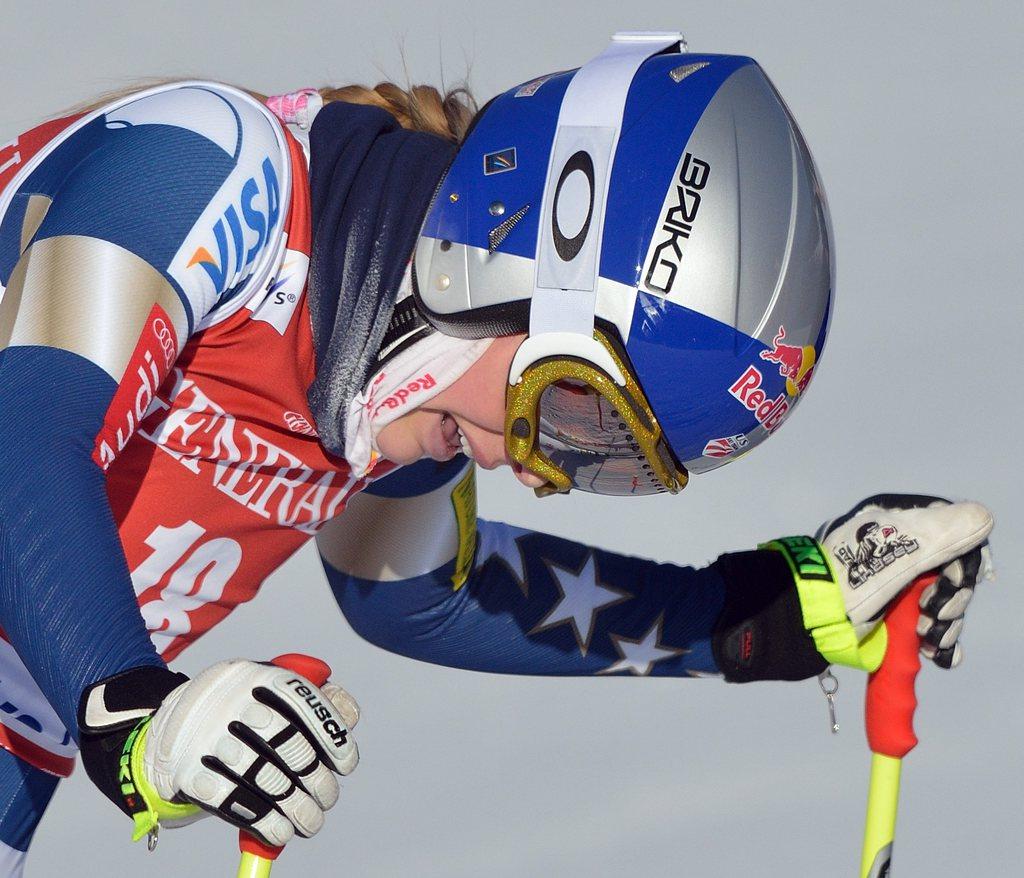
[100, 295]
[531, 603]
[416, 573]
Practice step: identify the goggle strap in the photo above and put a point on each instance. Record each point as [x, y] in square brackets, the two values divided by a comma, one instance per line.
[589, 122]
[564, 344]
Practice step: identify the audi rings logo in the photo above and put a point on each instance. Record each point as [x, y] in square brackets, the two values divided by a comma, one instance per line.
[166, 338]
[298, 424]
[580, 164]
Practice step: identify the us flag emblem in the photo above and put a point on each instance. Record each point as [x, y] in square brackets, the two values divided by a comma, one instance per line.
[725, 446]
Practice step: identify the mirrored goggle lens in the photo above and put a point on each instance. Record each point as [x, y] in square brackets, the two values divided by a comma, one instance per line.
[586, 436]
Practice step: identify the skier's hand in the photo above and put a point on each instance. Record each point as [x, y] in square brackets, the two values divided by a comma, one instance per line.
[883, 544]
[255, 744]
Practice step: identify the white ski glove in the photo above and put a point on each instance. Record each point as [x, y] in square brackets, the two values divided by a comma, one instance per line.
[883, 544]
[255, 744]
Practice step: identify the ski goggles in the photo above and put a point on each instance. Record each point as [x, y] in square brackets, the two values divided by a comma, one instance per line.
[569, 422]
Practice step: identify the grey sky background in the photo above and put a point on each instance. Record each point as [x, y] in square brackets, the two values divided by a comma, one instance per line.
[912, 111]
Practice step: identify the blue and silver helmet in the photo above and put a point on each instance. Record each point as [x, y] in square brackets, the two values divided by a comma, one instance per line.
[654, 222]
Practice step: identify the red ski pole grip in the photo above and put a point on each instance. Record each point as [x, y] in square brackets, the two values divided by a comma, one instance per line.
[891, 700]
[317, 672]
[313, 669]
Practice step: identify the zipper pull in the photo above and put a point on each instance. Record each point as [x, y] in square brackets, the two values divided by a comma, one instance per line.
[829, 684]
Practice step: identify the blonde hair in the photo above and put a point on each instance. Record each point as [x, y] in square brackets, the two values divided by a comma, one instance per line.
[445, 113]
[418, 108]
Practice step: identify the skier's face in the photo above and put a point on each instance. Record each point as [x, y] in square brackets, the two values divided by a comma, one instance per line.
[470, 413]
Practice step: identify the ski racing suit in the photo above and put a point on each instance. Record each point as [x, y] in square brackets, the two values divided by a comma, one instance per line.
[158, 458]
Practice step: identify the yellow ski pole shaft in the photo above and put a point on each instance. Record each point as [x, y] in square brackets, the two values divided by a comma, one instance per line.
[254, 866]
[880, 825]
[257, 857]
[889, 710]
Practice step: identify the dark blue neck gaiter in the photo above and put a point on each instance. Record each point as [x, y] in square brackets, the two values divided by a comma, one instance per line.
[371, 183]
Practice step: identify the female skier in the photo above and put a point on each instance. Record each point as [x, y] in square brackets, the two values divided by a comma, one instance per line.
[221, 319]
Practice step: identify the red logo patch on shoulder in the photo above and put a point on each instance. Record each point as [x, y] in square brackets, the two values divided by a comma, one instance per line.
[150, 363]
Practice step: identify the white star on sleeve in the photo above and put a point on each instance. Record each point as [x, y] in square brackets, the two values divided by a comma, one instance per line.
[583, 597]
[639, 656]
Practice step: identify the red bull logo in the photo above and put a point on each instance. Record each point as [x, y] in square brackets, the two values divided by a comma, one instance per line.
[796, 364]
[748, 390]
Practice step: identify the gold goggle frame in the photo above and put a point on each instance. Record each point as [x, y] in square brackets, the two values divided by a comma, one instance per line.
[522, 419]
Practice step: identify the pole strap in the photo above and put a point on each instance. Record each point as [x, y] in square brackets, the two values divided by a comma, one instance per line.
[823, 608]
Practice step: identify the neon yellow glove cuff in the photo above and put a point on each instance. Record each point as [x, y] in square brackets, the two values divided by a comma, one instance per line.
[823, 609]
[154, 809]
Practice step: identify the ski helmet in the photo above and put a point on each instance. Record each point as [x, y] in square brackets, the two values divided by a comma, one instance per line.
[654, 222]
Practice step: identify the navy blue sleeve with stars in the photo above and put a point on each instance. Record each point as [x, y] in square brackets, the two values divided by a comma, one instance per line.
[531, 603]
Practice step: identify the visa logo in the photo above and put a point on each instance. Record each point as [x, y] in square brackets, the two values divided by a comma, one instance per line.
[233, 256]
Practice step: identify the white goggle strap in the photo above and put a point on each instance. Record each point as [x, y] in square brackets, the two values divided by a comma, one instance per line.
[565, 283]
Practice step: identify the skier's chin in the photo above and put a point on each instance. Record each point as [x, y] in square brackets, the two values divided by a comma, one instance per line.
[526, 477]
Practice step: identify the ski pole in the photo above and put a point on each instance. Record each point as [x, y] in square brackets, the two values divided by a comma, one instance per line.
[258, 857]
[889, 708]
